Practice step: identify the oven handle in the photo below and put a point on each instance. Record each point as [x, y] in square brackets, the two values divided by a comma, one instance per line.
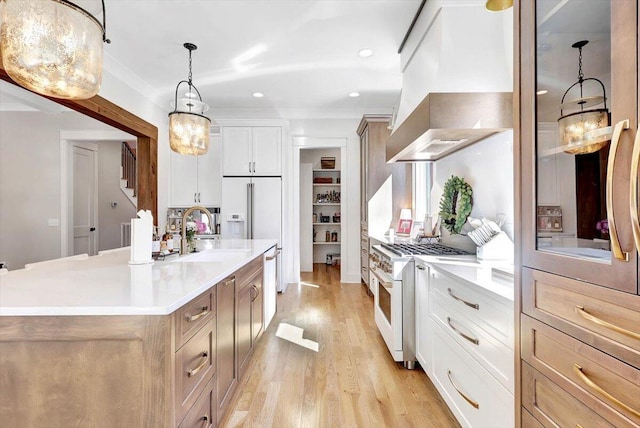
[386, 284]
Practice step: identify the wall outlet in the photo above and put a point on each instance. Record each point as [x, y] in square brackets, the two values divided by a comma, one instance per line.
[53, 222]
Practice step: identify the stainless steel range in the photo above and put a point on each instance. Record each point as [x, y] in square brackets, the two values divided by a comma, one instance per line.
[392, 279]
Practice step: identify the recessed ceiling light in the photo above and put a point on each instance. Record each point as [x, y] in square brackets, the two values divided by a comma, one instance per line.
[354, 94]
[258, 94]
[542, 92]
[365, 53]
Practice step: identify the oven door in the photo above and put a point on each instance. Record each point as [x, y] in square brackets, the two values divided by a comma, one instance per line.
[388, 311]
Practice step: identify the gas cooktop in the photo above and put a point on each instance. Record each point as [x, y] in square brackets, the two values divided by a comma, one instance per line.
[403, 249]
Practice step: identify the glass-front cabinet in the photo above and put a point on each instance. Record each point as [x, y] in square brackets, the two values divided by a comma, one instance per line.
[579, 104]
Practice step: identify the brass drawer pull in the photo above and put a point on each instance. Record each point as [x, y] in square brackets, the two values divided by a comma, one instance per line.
[583, 377]
[475, 404]
[205, 420]
[586, 315]
[254, 288]
[469, 338]
[471, 305]
[613, 230]
[633, 191]
[194, 371]
[191, 318]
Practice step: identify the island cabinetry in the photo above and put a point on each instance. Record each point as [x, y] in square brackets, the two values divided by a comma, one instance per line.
[203, 412]
[249, 321]
[226, 340]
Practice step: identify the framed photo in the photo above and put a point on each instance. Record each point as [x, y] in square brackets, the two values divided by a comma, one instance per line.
[404, 226]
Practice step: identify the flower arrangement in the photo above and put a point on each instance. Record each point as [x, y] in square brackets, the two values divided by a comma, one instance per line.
[603, 226]
[192, 228]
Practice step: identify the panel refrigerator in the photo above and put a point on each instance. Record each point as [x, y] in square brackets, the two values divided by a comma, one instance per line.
[252, 209]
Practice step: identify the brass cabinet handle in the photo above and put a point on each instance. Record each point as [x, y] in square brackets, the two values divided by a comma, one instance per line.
[475, 404]
[205, 359]
[205, 420]
[583, 377]
[633, 191]
[469, 338]
[613, 231]
[191, 318]
[471, 305]
[254, 288]
[276, 254]
[580, 310]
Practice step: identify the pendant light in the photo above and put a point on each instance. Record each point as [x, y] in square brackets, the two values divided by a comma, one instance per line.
[498, 5]
[53, 47]
[188, 126]
[584, 131]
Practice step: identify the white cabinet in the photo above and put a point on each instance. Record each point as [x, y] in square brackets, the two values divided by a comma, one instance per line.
[424, 329]
[251, 150]
[196, 180]
[470, 345]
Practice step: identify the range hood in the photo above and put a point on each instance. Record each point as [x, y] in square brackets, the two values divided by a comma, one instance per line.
[444, 123]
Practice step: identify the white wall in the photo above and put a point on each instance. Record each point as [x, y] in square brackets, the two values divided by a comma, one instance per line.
[108, 192]
[30, 183]
[488, 167]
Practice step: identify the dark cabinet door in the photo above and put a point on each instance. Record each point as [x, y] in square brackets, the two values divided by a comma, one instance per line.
[579, 119]
[226, 297]
[243, 338]
[257, 315]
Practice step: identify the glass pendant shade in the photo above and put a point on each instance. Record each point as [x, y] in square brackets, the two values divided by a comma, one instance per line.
[585, 131]
[189, 133]
[188, 126]
[52, 47]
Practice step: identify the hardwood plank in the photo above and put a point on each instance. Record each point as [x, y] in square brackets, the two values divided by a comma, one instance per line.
[351, 381]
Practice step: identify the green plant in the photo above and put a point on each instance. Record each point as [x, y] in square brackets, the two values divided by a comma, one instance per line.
[455, 204]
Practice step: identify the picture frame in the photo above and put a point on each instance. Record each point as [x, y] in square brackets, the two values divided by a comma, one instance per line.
[404, 226]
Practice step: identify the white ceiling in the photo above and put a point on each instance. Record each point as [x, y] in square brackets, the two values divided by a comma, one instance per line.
[301, 54]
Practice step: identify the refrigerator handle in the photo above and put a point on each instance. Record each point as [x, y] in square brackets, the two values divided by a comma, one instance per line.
[249, 210]
[252, 190]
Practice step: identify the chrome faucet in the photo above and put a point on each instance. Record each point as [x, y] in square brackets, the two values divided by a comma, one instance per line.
[183, 241]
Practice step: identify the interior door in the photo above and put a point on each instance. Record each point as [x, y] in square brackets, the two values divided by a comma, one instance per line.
[581, 59]
[84, 201]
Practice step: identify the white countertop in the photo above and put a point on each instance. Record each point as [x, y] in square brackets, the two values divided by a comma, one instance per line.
[107, 285]
[491, 276]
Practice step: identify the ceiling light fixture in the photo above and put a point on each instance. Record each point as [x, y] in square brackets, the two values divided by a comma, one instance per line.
[354, 94]
[365, 53]
[53, 47]
[188, 126]
[584, 131]
[258, 94]
[498, 5]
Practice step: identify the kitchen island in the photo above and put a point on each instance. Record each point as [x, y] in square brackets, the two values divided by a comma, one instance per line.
[94, 341]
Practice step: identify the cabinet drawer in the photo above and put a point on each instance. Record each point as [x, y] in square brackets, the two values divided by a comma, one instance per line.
[496, 318]
[529, 421]
[195, 365]
[557, 301]
[472, 394]
[494, 356]
[246, 274]
[192, 316]
[582, 370]
[554, 406]
[203, 412]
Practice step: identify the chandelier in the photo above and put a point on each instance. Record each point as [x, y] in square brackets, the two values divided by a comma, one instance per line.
[584, 131]
[53, 47]
[188, 126]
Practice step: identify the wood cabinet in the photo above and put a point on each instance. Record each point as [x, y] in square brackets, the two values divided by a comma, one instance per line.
[227, 378]
[579, 326]
[374, 173]
[196, 180]
[249, 318]
[251, 151]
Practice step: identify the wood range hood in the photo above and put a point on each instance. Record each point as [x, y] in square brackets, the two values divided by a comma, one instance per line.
[444, 123]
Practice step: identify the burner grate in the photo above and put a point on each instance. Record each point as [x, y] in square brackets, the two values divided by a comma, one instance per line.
[402, 249]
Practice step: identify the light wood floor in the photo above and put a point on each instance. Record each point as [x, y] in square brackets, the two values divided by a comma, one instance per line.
[351, 382]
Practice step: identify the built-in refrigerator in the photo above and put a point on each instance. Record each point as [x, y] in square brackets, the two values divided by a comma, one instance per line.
[252, 209]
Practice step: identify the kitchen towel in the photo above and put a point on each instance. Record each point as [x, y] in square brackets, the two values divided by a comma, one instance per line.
[141, 238]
